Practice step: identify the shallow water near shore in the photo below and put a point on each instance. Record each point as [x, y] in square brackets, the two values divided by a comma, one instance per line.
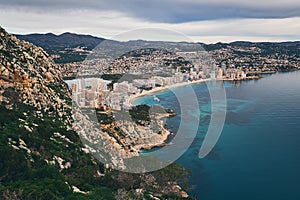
[258, 153]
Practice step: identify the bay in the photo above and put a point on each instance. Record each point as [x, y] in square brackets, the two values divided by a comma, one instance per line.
[258, 153]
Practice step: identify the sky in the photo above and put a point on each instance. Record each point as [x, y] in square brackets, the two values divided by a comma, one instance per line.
[198, 20]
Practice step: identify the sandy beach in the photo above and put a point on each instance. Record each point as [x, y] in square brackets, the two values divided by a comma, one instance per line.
[132, 98]
[161, 140]
[163, 137]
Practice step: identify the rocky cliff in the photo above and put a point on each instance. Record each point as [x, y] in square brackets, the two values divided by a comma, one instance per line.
[33, 75]
[41, 156]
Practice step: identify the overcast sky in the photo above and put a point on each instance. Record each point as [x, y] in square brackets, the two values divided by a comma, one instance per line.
[201, 20]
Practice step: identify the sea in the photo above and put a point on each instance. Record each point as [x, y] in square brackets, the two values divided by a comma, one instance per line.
[257, 155]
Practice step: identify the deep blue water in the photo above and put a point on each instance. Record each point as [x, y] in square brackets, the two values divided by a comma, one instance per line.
[258, 153]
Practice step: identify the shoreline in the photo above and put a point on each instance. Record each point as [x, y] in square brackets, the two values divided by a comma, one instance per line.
[134, 97]
[160, 139]
[164, 137]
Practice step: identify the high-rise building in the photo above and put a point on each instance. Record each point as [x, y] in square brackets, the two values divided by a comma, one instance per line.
[220, 73]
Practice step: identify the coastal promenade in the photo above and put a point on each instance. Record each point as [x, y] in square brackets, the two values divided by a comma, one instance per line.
[132, 98]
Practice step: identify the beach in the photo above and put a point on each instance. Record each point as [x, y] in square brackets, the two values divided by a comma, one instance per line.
[160, 139]
[132, 98]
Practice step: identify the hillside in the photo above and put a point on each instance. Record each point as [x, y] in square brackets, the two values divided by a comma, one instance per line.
[67, 47]
[267, 48]
[41, 156]
[65, 40]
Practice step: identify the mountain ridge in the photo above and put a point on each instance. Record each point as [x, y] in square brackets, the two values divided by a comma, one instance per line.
[28, 36]
[64, 40]
[64, 47]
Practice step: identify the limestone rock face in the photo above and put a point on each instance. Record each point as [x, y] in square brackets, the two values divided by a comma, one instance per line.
[36, 132]
[31, 72]
[34, 107]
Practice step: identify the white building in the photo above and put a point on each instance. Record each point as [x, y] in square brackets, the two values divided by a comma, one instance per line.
[125, 87]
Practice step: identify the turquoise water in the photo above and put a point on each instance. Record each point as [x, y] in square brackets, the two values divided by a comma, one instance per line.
[258, 153]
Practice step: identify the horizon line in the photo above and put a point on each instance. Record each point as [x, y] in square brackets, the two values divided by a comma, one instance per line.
[142, 39]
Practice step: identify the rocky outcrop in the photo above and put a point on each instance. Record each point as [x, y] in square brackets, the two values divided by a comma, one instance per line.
[36, 135]
[41, 154]
[32, 74]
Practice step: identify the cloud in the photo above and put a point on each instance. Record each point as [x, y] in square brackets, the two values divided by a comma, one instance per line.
[110, 23]
[169, 11]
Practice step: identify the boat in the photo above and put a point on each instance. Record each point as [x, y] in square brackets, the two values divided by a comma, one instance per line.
[156, 98]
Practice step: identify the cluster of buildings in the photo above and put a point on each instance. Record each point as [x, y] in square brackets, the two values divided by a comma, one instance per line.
[245, 57]
[231, 74]
[161, 70]
[157, 62]
[88, 92]
[252, 60]
[94, 92]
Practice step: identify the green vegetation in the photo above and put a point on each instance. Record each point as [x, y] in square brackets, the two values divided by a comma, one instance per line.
[67, 55]
[140, 114]
[41, 156]
[114, 78]
[104, 118]
[27, 175]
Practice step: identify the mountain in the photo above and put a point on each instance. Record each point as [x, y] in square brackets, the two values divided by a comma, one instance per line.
[267, 48]
[64, 48]
[71, 47]
[65, 40]
[41, 154]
